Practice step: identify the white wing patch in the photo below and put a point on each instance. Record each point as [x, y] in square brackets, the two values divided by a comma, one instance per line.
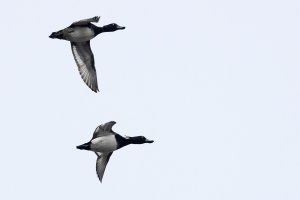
[77, 57]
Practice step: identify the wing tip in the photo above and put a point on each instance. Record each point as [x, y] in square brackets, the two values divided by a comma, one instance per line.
[100, 179]
[97, 18]
[95, 90]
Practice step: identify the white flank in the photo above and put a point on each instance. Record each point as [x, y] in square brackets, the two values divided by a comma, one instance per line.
[104, 144]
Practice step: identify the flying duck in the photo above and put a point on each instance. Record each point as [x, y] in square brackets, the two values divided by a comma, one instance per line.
[79, 34]
[105, 141]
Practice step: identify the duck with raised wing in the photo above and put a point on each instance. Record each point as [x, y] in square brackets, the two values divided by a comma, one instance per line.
[79, 34]
[105, 141]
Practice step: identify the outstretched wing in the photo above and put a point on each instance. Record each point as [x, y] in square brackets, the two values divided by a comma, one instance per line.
[84, 59]
[104, 129]
[86, 21]
[101, 163]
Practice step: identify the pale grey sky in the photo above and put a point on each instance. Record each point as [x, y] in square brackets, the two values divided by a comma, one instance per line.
[215, 84]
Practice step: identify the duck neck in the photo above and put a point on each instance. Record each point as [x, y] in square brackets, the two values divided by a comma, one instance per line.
[122, 141]
[98, 30]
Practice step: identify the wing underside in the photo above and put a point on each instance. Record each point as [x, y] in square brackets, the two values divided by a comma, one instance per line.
[102, 161]
[84, 59]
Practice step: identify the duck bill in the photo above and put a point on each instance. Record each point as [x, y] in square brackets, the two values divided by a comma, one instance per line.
[121, 27]
[149, 141]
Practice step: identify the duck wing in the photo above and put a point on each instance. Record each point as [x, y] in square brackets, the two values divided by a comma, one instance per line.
[86, 21]
[104, 130]
[84, 59]
[101, 163]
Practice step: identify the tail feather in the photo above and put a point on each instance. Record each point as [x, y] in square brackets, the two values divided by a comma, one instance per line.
[58, 35]
[85, 146]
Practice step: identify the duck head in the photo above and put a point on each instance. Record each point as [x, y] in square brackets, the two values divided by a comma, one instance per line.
[139, 140]
[112, 27]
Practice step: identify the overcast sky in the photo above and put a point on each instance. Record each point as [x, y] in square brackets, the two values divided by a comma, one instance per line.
[215, 84]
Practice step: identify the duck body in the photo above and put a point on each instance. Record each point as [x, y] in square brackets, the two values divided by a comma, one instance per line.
[104, 144]
[79, 34]
[105, 141]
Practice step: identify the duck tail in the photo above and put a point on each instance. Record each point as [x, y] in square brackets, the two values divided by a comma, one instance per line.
[85, 146]
[57, 35]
